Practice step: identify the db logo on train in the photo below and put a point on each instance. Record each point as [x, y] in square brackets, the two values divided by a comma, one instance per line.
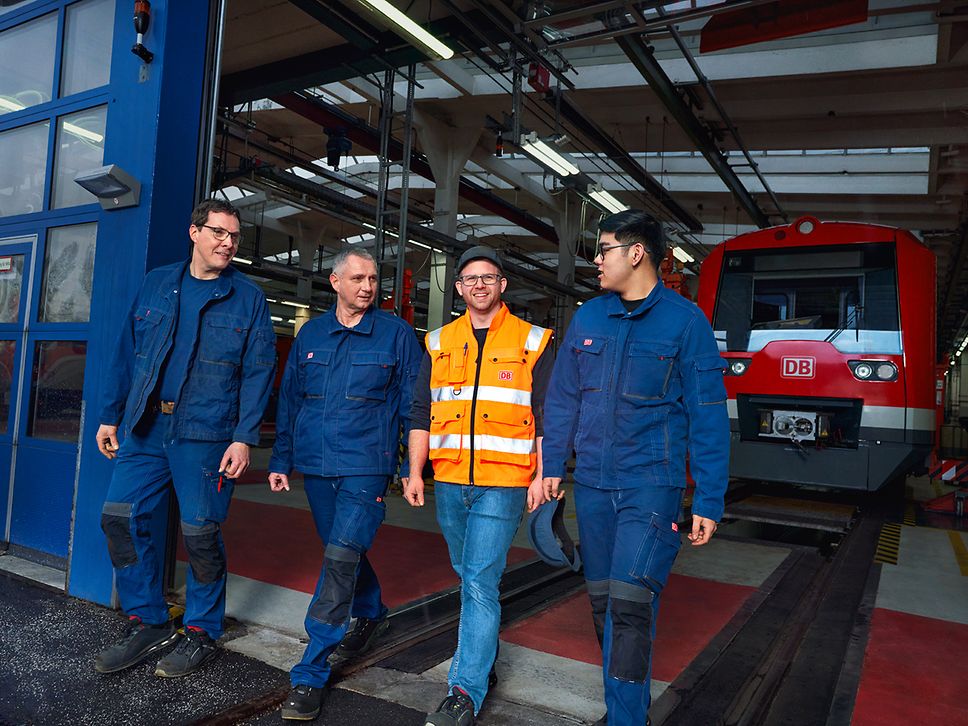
[800, 367]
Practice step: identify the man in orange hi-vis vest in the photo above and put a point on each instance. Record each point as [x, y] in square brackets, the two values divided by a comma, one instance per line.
[477, 416]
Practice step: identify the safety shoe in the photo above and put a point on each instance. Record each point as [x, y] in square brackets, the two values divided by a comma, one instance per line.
[455, 710]
[361, 638]
[138, 642]
[302, 703]
[195, 648]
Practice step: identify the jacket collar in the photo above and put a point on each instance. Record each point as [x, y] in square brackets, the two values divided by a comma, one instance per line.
[364, 327]
[465, 320]
[614, 307]
[174, 280]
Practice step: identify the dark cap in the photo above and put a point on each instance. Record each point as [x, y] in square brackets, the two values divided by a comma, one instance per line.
[479, 252]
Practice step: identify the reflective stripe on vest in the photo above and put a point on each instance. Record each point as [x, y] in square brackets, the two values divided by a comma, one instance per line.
[482, 442]
[484, 393]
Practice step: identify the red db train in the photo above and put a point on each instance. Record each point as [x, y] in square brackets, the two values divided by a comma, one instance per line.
[828, 332]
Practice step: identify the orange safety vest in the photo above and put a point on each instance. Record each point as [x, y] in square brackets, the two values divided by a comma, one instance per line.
[505, 453]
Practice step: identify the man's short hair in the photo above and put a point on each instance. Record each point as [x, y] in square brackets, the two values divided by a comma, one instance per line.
[635, 226]
[339, 261]
[208, 206]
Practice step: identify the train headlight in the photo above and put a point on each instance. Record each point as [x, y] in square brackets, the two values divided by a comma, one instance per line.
[886, 371]
[738, 366]
[863, 371]
[873, 370]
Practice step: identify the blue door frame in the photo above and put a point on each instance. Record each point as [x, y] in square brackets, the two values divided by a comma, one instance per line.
[154, 132]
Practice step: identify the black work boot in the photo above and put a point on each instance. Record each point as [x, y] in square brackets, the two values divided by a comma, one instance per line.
[603, 721]
[455, 710]
[138, 642]
[195, 648]
[302, 703]
[362, 637]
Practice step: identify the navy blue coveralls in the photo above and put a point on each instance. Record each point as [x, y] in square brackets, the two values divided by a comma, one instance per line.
[630, 392]
[215, 355]
[343, 406]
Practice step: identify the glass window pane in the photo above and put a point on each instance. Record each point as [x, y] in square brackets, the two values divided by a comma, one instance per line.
[23, 169]
[56, 388]
[7, 350]
[80, 148]
[68, 273]
[27, 63]
[8, 5]
[11, 280]
[87, 46]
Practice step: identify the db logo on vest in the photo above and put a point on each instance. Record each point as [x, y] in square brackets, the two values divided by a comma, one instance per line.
[798, 367]
[505, 375]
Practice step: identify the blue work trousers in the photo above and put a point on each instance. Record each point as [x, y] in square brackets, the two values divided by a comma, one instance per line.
[629, 541]
[148, 460]
[347, 511]
[478, 524]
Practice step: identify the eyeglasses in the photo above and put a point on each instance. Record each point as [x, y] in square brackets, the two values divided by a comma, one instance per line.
[470, 280]
[221, 234]
[603, 249]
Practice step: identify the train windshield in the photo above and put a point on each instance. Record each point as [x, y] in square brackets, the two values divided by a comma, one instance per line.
[846, 296]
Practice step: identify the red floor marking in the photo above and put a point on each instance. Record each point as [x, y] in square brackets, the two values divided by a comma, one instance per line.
[279, 545]
[911, 672]
[693, 611]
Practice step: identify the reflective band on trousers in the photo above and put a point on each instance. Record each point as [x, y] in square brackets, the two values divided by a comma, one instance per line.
[484, 442]
[484, 393]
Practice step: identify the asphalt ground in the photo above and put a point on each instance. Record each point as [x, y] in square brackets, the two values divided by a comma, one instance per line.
[47, 646]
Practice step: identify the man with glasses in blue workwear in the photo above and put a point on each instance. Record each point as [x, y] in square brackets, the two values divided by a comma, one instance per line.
[638, 381]
[188, 385]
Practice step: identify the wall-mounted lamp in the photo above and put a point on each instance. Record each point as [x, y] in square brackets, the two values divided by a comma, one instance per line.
[547, 155]
[142, 18]
[113, 187]
[605, 200]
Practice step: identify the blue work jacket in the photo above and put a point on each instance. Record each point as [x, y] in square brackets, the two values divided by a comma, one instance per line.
[231, 370]
[631, 391]
[345, 397]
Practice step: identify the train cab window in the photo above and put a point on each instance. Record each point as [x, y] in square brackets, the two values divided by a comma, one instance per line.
[845, 297]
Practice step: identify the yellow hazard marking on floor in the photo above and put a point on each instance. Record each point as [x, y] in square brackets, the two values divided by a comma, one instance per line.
[888, 544]
[910, 515]
[961, 552]
[175, 611]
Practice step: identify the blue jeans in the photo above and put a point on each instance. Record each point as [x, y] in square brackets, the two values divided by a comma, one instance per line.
[478, 524]
[347, 511]
[149, 458]
[629, 541]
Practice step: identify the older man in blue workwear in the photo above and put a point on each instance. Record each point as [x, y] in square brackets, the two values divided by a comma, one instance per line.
[638, 381]
[344, 409]
[189, 382]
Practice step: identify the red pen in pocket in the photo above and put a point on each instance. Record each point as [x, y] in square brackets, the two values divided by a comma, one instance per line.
[219, 483]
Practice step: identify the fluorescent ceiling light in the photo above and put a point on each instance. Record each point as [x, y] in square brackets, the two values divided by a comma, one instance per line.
[417, 35]
[681, 255]
[10, 105]
[547, 155]
[604, 199]
[292, 304]
[242, 260]
[83, 133]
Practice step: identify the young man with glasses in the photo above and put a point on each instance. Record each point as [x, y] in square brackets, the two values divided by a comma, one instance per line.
[344, 408]
[638, 382]
[477, 415]
[189, 382]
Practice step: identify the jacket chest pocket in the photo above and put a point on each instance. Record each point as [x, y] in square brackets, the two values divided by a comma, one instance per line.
[314, 371]
[146, 326]
[369, 376]
[504, 366]
[222, 338]
[590, 359]
[452, 363]
[648, 370]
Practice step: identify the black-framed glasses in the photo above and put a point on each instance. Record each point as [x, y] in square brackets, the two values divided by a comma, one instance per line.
[221, 234]
[603, 249]
[488, 278]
